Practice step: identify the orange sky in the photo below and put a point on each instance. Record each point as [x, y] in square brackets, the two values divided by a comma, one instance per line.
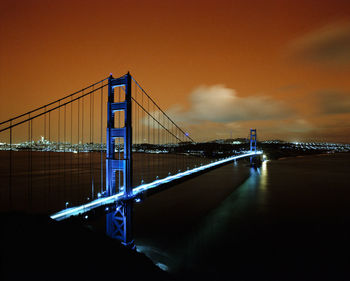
[282, 66]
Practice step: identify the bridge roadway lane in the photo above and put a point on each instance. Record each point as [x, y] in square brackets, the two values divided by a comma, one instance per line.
[79, 210]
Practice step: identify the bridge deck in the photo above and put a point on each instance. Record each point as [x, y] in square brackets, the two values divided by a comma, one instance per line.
[79, 210]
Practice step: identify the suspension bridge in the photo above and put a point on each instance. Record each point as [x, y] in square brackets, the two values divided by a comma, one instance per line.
[104, 146]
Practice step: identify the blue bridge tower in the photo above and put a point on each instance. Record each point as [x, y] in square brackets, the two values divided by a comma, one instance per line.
[252, 141]
[119, 222]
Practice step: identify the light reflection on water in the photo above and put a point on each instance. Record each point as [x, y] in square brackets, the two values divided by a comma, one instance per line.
[272, 202]
[257, 224]
[263, 185]
[198, 242]
[160, 258]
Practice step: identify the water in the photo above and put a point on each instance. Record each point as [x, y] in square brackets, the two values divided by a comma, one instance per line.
[288, 220]
[44, 182]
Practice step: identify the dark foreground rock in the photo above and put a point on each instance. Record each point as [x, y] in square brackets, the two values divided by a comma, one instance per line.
[37, 248]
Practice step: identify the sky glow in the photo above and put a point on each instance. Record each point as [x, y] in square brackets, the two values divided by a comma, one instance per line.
[279, 66]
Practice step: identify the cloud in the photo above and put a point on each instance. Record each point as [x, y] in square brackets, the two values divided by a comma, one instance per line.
[333, 102]
[220, 104]
[286, 129]
[329, 45]
[296, 126]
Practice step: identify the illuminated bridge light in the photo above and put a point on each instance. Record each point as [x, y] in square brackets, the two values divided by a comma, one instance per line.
[74, 211]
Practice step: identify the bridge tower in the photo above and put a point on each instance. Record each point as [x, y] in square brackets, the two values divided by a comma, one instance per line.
[119, 222]
[252, 138]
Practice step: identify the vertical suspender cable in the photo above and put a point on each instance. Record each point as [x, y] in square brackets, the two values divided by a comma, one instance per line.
[81, 174]
[10, 176]
[142, 135]
[148, 136]
[90, 149]
[31, 163]
[64, 151]
[28, 163]
[158, 143]
[44, 152]
[101, 148]
[50, 146]
[78, 146]
[29, 144]
[71, 148]
[58, 180]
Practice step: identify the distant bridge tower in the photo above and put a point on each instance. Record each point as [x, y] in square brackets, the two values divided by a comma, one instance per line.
[253, 139]
[119, 222]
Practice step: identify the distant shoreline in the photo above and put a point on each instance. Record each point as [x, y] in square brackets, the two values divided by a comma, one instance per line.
[311, 154]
